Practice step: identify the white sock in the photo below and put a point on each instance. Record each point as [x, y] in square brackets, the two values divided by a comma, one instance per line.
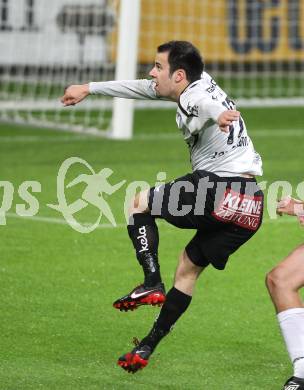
[292, 326]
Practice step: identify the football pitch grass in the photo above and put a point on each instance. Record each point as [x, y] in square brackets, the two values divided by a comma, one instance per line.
[58, 328]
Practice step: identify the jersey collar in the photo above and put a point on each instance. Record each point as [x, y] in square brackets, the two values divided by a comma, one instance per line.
[189, 86]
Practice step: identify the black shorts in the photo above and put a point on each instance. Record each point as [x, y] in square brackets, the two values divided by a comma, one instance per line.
[225, 211]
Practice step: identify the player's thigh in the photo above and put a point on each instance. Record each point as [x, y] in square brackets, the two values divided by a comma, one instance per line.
[290, 271]
[175, 201]
[216, 247]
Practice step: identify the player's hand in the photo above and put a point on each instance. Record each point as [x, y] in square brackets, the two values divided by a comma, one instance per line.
[291, 206]
[226, 118]
[75, 94]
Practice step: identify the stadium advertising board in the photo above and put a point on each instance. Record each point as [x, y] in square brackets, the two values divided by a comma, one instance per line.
[232, 30]
[38, 32]
[71, 32]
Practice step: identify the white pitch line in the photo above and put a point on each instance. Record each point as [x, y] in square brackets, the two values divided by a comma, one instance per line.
[151, 136]
[33, 138]
[61, 221]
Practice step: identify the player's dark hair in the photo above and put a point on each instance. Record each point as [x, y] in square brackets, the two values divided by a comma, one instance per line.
[183, 55]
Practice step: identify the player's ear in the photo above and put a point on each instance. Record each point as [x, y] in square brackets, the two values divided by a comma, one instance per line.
[180, 75]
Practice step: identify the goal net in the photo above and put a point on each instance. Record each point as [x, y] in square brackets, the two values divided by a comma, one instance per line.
[254, 49]
[48, 45]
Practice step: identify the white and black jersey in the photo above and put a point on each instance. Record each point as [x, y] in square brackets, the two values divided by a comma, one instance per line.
[199, 107]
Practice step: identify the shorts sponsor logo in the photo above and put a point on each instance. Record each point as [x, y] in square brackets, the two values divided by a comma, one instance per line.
[242, 210]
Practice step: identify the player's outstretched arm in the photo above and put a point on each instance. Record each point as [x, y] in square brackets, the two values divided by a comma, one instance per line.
[291, 206]
[75, 94]
[128, 89]
[226, 118]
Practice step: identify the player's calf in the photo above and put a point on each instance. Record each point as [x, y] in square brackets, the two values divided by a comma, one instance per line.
[143, 233]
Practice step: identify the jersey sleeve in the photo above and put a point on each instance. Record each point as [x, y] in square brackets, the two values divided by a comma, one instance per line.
[212, 109]
[204, 114]
[129, 89]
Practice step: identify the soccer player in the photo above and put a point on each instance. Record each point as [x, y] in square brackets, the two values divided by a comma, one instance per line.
[283, 284]
[220, 199]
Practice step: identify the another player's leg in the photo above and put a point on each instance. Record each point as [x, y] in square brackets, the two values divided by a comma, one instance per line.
[283, 283]
[177, 301]
[143, 233]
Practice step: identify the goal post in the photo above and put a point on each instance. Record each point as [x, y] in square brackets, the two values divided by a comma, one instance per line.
[51, 45]
[126, 66]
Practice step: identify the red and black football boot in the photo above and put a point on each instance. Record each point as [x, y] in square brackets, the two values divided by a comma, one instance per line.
[294, 383]
[136, 359]
[142, 295]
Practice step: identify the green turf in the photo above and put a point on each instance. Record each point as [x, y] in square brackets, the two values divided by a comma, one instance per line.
[58, 329]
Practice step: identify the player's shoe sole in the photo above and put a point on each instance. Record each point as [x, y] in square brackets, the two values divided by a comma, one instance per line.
[136, 359]
[294, 383]
[142, 295]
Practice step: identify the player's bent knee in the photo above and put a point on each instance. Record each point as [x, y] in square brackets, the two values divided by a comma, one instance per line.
[287, 275]
[139, 203]
[133, 205]
[269, 282]
[276, 279]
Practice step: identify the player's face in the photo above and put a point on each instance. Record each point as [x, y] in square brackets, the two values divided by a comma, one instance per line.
[164, 84]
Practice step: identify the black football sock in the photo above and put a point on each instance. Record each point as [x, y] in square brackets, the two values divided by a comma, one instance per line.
[144, 235]
[175, 305]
